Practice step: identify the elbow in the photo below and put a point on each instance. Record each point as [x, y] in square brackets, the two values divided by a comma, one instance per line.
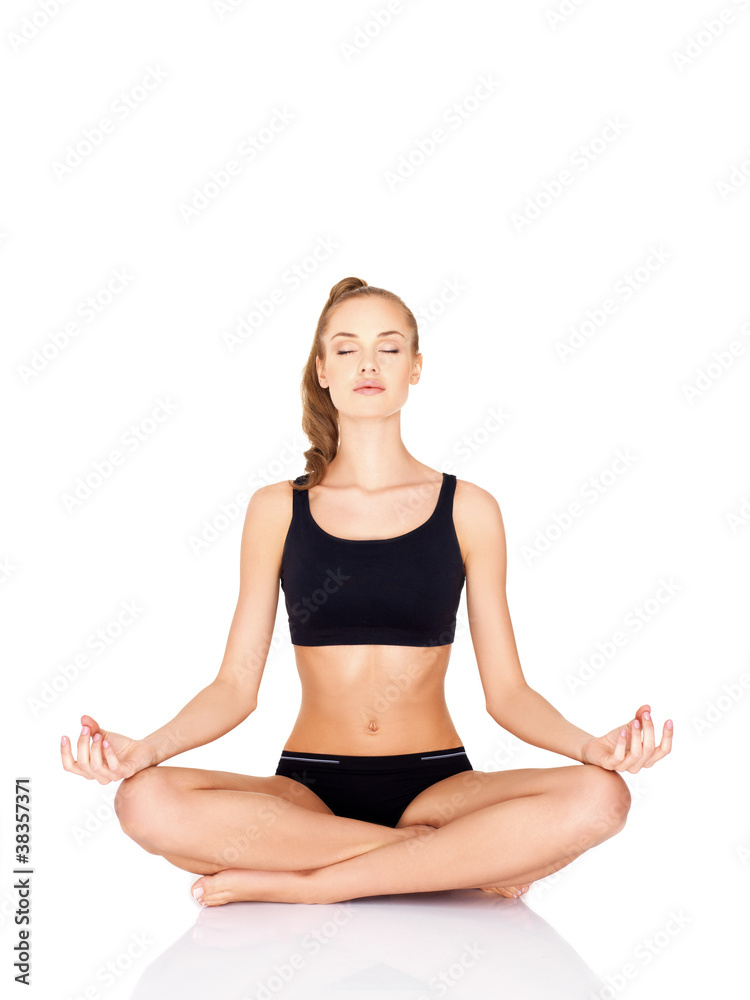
[493, 713]
[498, 706]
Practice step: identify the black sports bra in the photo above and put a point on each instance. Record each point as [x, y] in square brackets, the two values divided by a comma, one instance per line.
[400, 591]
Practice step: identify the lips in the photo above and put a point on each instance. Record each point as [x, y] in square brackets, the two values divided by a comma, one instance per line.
[369, 384]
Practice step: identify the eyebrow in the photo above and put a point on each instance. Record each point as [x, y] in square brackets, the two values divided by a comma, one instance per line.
[385, 333]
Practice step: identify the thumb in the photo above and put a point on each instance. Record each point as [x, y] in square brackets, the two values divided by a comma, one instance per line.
[90, 721]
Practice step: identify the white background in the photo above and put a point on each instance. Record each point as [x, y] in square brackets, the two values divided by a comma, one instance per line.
[654, 201]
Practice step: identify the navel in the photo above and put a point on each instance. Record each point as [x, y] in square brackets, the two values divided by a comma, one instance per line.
[373, 726]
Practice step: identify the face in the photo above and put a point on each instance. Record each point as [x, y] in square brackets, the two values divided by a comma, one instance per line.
[368, 340]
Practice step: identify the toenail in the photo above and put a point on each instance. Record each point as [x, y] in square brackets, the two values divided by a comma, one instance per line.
[197, 893]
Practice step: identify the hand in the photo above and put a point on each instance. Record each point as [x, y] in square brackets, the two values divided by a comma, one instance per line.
[632, 751]
[121, 758]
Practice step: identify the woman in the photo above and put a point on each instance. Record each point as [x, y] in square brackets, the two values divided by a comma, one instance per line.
[374, 792]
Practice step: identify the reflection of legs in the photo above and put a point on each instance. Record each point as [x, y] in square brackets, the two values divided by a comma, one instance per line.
[207, 821]
[507, 843]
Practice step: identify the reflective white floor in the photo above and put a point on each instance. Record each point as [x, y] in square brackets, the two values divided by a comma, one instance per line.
[461, 943]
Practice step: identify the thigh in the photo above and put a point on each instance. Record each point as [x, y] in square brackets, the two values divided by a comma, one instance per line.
[468, 791]
[167, 778]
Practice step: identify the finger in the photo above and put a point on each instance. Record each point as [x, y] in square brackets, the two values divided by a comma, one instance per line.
[648, 735]
[84, 758]
[636, 739]
[666, 737]
[111, 757]
[632, 759]
[96, 763]
[67, 758]
[664, 747]
[619, 752]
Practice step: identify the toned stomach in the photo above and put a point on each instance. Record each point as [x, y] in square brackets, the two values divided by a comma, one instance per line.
[372, 700]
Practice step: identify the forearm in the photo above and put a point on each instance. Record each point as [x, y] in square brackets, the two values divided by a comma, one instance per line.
[213, 712]
[531, 718]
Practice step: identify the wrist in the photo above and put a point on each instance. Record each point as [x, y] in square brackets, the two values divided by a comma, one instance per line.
[157, 756]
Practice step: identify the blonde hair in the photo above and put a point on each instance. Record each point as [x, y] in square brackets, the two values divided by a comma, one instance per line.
[319, 416]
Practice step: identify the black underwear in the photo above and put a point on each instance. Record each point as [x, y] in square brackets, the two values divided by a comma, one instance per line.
[374, 789]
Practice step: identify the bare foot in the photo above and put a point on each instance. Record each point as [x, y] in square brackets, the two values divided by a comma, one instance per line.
[234, 885]
[507, 890]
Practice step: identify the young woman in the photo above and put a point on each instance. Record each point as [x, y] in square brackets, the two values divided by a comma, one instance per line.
[374, 792]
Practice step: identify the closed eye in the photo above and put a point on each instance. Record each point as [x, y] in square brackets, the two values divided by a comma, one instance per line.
[396, 351]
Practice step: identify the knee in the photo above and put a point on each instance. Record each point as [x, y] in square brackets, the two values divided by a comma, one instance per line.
[606, 800]
[137, 802]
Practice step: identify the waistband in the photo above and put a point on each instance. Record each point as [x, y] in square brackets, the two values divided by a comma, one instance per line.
[380, 763]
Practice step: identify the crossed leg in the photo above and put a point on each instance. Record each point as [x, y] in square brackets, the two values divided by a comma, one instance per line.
[471, 830]
[493, 830]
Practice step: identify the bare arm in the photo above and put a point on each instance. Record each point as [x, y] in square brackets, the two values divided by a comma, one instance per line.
[509, 700]
[233, 694]
[214, 711]
[531, 718]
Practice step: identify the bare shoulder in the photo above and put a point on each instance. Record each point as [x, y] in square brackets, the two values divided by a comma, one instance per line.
[477, 516]
[473, 501]
[269, 512]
